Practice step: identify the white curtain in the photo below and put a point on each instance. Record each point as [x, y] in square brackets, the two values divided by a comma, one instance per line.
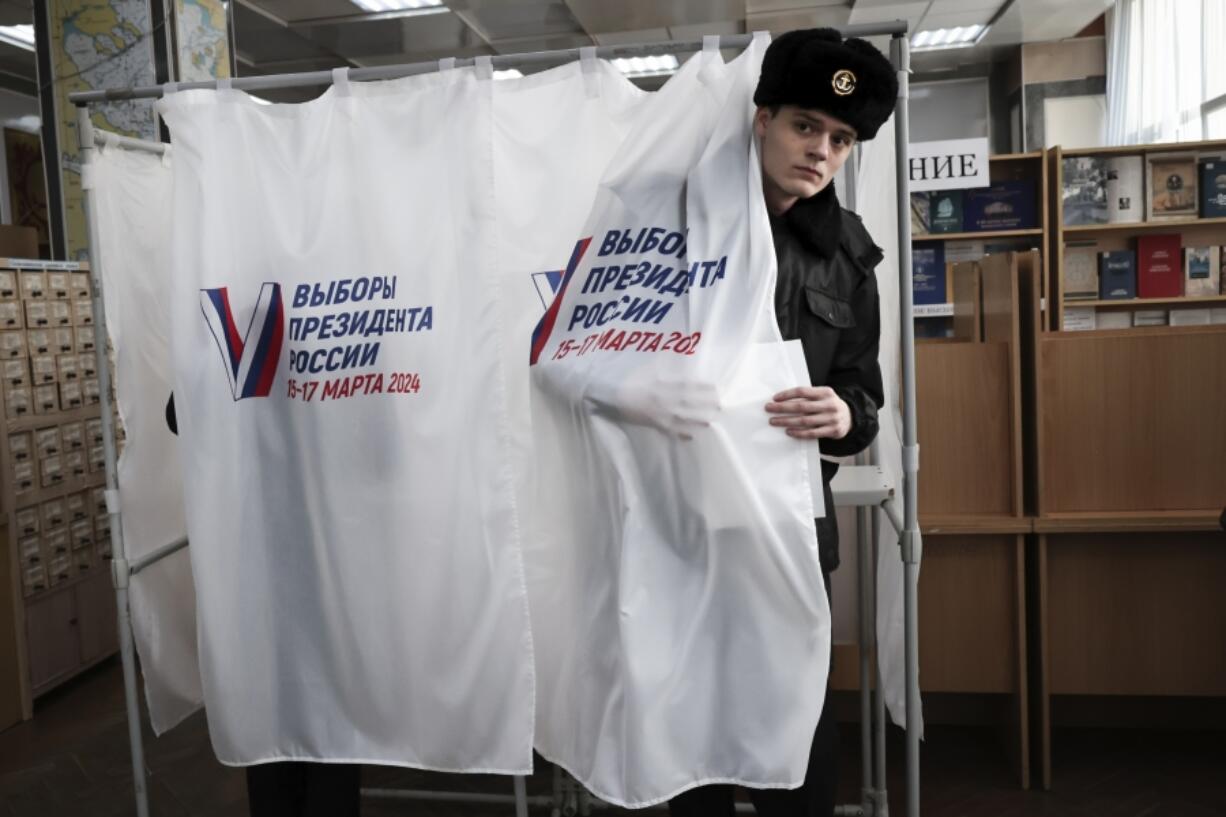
[133, 194]
[334, 329]
[1165, 58]
[681, 624]
[301, 159]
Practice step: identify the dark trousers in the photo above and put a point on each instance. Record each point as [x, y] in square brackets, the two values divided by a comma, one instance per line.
[814, 798]
[299, 789]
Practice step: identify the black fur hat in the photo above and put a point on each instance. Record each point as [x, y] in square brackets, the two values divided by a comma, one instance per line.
[817, 68]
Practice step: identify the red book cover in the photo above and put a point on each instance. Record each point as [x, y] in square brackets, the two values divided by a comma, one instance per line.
[1159, 266]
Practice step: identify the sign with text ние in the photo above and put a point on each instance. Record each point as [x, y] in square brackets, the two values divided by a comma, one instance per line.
[950, 164]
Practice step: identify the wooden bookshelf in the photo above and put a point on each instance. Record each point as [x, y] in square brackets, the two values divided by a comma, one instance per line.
[946, 525]
[1128, 521]
[1127, 563]
[1126, 613]
[1134, 150]
[1156, 225]
[1127, 422]
[973, 608]
[1029, 166]
[978, 235]
[1071, 482]
[1014, 157]
[1119, 235]
[1142, 303]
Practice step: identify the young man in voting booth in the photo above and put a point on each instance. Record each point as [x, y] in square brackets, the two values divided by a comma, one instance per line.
[818, 95]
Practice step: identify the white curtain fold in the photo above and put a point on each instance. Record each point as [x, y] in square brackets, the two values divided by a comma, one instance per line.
[681, 622]
[343, 426]
[356, 549]
[132, 213]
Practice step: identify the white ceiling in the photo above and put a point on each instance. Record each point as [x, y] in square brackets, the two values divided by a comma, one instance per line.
[16, 64]
[293, 35]
[281, 36]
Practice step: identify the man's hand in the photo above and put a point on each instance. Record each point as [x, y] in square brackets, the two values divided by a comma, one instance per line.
[811, 413]
[677, 406]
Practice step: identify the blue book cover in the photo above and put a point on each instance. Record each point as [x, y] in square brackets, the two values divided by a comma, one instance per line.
[1002, 206]
[1213, 188]
[928, 273]
[1117, 275]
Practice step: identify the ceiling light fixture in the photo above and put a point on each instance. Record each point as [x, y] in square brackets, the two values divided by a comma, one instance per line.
[657, 65]
[21, 36]
[957, 37]
[406, 8]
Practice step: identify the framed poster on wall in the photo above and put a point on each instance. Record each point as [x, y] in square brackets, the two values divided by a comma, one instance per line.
[94, 45]
[202, 40]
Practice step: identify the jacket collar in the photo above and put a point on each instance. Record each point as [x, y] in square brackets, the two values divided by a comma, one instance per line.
[817, 221]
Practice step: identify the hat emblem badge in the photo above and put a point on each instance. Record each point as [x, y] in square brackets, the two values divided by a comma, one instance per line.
[844, 82]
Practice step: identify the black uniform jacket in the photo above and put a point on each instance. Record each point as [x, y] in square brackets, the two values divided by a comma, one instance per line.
[826, 296]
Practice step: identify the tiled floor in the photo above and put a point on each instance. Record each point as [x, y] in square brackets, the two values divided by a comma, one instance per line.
[73, 759]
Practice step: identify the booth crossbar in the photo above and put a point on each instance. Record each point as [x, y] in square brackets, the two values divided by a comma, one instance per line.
[873, 786]
[383, 72]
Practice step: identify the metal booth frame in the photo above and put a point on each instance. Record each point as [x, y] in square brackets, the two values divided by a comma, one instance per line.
[866, 487]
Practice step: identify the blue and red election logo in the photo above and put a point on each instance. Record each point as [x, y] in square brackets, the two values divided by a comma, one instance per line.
[250, 359]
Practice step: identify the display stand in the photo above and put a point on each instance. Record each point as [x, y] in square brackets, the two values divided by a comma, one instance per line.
[865, 486]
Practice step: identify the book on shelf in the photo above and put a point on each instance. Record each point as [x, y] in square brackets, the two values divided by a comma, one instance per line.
[1213, 187]
[1217, 314]
[1113, 319]
[1159, 267]
[1172, 186]
[945, 209]
[1149, 317]
[921, 214]
[1079, 319]
[1001, 206]
[1019, 244]
[1117, 275]
[1202, 271]
[1190, 317]
[958, 251]
[1125, 189]
[929, 283]
[1080, 270]
[1084, 190]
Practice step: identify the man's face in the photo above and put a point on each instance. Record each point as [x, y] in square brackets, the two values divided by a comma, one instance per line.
[802, 150]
